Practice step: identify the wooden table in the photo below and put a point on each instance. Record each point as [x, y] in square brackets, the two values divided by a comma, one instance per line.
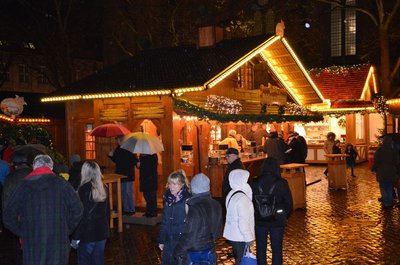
[296, 178]
[337, 171]
[111, 179]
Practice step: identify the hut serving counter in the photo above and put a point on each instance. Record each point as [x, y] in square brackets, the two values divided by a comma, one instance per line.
[217, 171]
[316, 153]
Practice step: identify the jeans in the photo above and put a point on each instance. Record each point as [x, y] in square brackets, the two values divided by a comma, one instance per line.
[91, 253]
[127, 196]
[276, 237]
[151, 202]
[386, 188]
[238, 250]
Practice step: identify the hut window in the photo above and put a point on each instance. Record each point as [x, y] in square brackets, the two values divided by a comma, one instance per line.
[360, 132]
[5, 69]
[245, 76]
[90, 147]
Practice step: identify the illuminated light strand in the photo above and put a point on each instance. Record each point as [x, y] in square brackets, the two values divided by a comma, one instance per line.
[30, 120]
[242, 61]
[6, 118]
[60, 98]
[188, 89]
[286, 44]
[366, 85]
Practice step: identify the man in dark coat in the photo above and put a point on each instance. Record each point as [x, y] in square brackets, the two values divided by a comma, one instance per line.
[234, 162]
[13, 181]
[203, 223]
[125, 163]
[149, 182]
[43, 212]
[75, 171]
[275, 147]
[387, 168]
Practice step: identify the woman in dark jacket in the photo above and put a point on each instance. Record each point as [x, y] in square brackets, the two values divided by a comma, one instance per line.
[92, 231]
[174, 214]
[270, 175]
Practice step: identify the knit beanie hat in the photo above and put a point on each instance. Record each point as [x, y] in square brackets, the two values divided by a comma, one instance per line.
[74, 158]
[200, 183]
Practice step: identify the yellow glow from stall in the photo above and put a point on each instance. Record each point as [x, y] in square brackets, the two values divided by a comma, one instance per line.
[33, 120]
[6, 118]
[241, 61]
[367, 81]
[302, 68]
[393, 101]
[180, 91]
[61, 98]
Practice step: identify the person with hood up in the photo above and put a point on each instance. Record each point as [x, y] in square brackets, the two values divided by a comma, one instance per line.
[387, 168]
[239, 224]
[270, 175]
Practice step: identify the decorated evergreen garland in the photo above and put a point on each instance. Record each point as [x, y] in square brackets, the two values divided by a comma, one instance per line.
[201, 113]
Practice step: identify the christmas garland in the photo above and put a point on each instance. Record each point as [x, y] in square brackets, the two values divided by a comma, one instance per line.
[201, 113]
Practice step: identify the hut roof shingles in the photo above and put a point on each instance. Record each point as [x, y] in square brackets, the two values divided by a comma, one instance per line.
[341, 83]
[166, 68]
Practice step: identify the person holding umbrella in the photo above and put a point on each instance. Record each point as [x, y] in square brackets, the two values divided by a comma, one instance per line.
[147, 146]
[125, 163]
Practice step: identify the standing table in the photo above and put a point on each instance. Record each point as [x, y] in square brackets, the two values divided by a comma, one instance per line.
[337, 171]
[295, 175]
[109, 180]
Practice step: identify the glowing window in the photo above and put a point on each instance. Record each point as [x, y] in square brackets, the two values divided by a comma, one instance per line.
[90, 146]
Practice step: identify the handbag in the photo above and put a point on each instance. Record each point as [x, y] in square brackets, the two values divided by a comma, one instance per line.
[248, 257]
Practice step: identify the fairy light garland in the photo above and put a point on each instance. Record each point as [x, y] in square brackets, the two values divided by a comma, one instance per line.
[380, 105]
[294, 109]
[204, 114]
[222, 104]
[337, 69]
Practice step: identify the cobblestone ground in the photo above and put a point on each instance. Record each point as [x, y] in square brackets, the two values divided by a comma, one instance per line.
[337, 227]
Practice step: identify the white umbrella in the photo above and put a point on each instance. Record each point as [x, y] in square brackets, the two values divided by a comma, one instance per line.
[142, 143]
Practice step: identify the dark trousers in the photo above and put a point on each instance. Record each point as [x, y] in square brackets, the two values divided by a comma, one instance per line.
[91, 253]
[151, 202]
[276, 237]
[238, 250]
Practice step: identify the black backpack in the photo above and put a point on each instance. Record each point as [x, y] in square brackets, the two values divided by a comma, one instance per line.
[264, 205]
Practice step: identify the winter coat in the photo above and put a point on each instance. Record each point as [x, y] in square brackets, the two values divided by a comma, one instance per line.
[328, 146]
[386, 161]
[43, 212]
[148, 172]
[202, 226]
[172, 225]
[275, 147]
[13, 181]
[125, 163]
[282, 194]
[239, 224]
[94, 223]
[303, 148]
[351, 159]
[226, 188]
[295, 155]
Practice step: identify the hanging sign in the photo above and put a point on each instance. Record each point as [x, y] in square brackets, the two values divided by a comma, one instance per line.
[13, 106]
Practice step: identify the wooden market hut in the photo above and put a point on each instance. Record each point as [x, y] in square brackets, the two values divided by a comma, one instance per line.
[156, 90]
[348, 92]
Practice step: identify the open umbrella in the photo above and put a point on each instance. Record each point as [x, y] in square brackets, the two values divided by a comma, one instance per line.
[31, 150]
[142, 143]
[109, 130]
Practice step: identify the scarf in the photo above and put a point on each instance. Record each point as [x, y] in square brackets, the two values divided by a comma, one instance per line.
[171, 199]
[39, 171]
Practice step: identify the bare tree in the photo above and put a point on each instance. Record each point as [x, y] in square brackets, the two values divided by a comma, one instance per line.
[382, 14]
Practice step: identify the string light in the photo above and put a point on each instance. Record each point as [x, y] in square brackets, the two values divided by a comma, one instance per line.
[223, 104]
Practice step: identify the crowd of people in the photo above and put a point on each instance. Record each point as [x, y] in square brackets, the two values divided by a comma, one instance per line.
[44, 215]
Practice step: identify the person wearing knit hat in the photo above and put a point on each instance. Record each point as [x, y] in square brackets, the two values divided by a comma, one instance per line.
[234, 162]
[200, 183]
[204, 217]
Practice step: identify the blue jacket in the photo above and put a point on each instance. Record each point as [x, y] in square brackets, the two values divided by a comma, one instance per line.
[172, 224]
